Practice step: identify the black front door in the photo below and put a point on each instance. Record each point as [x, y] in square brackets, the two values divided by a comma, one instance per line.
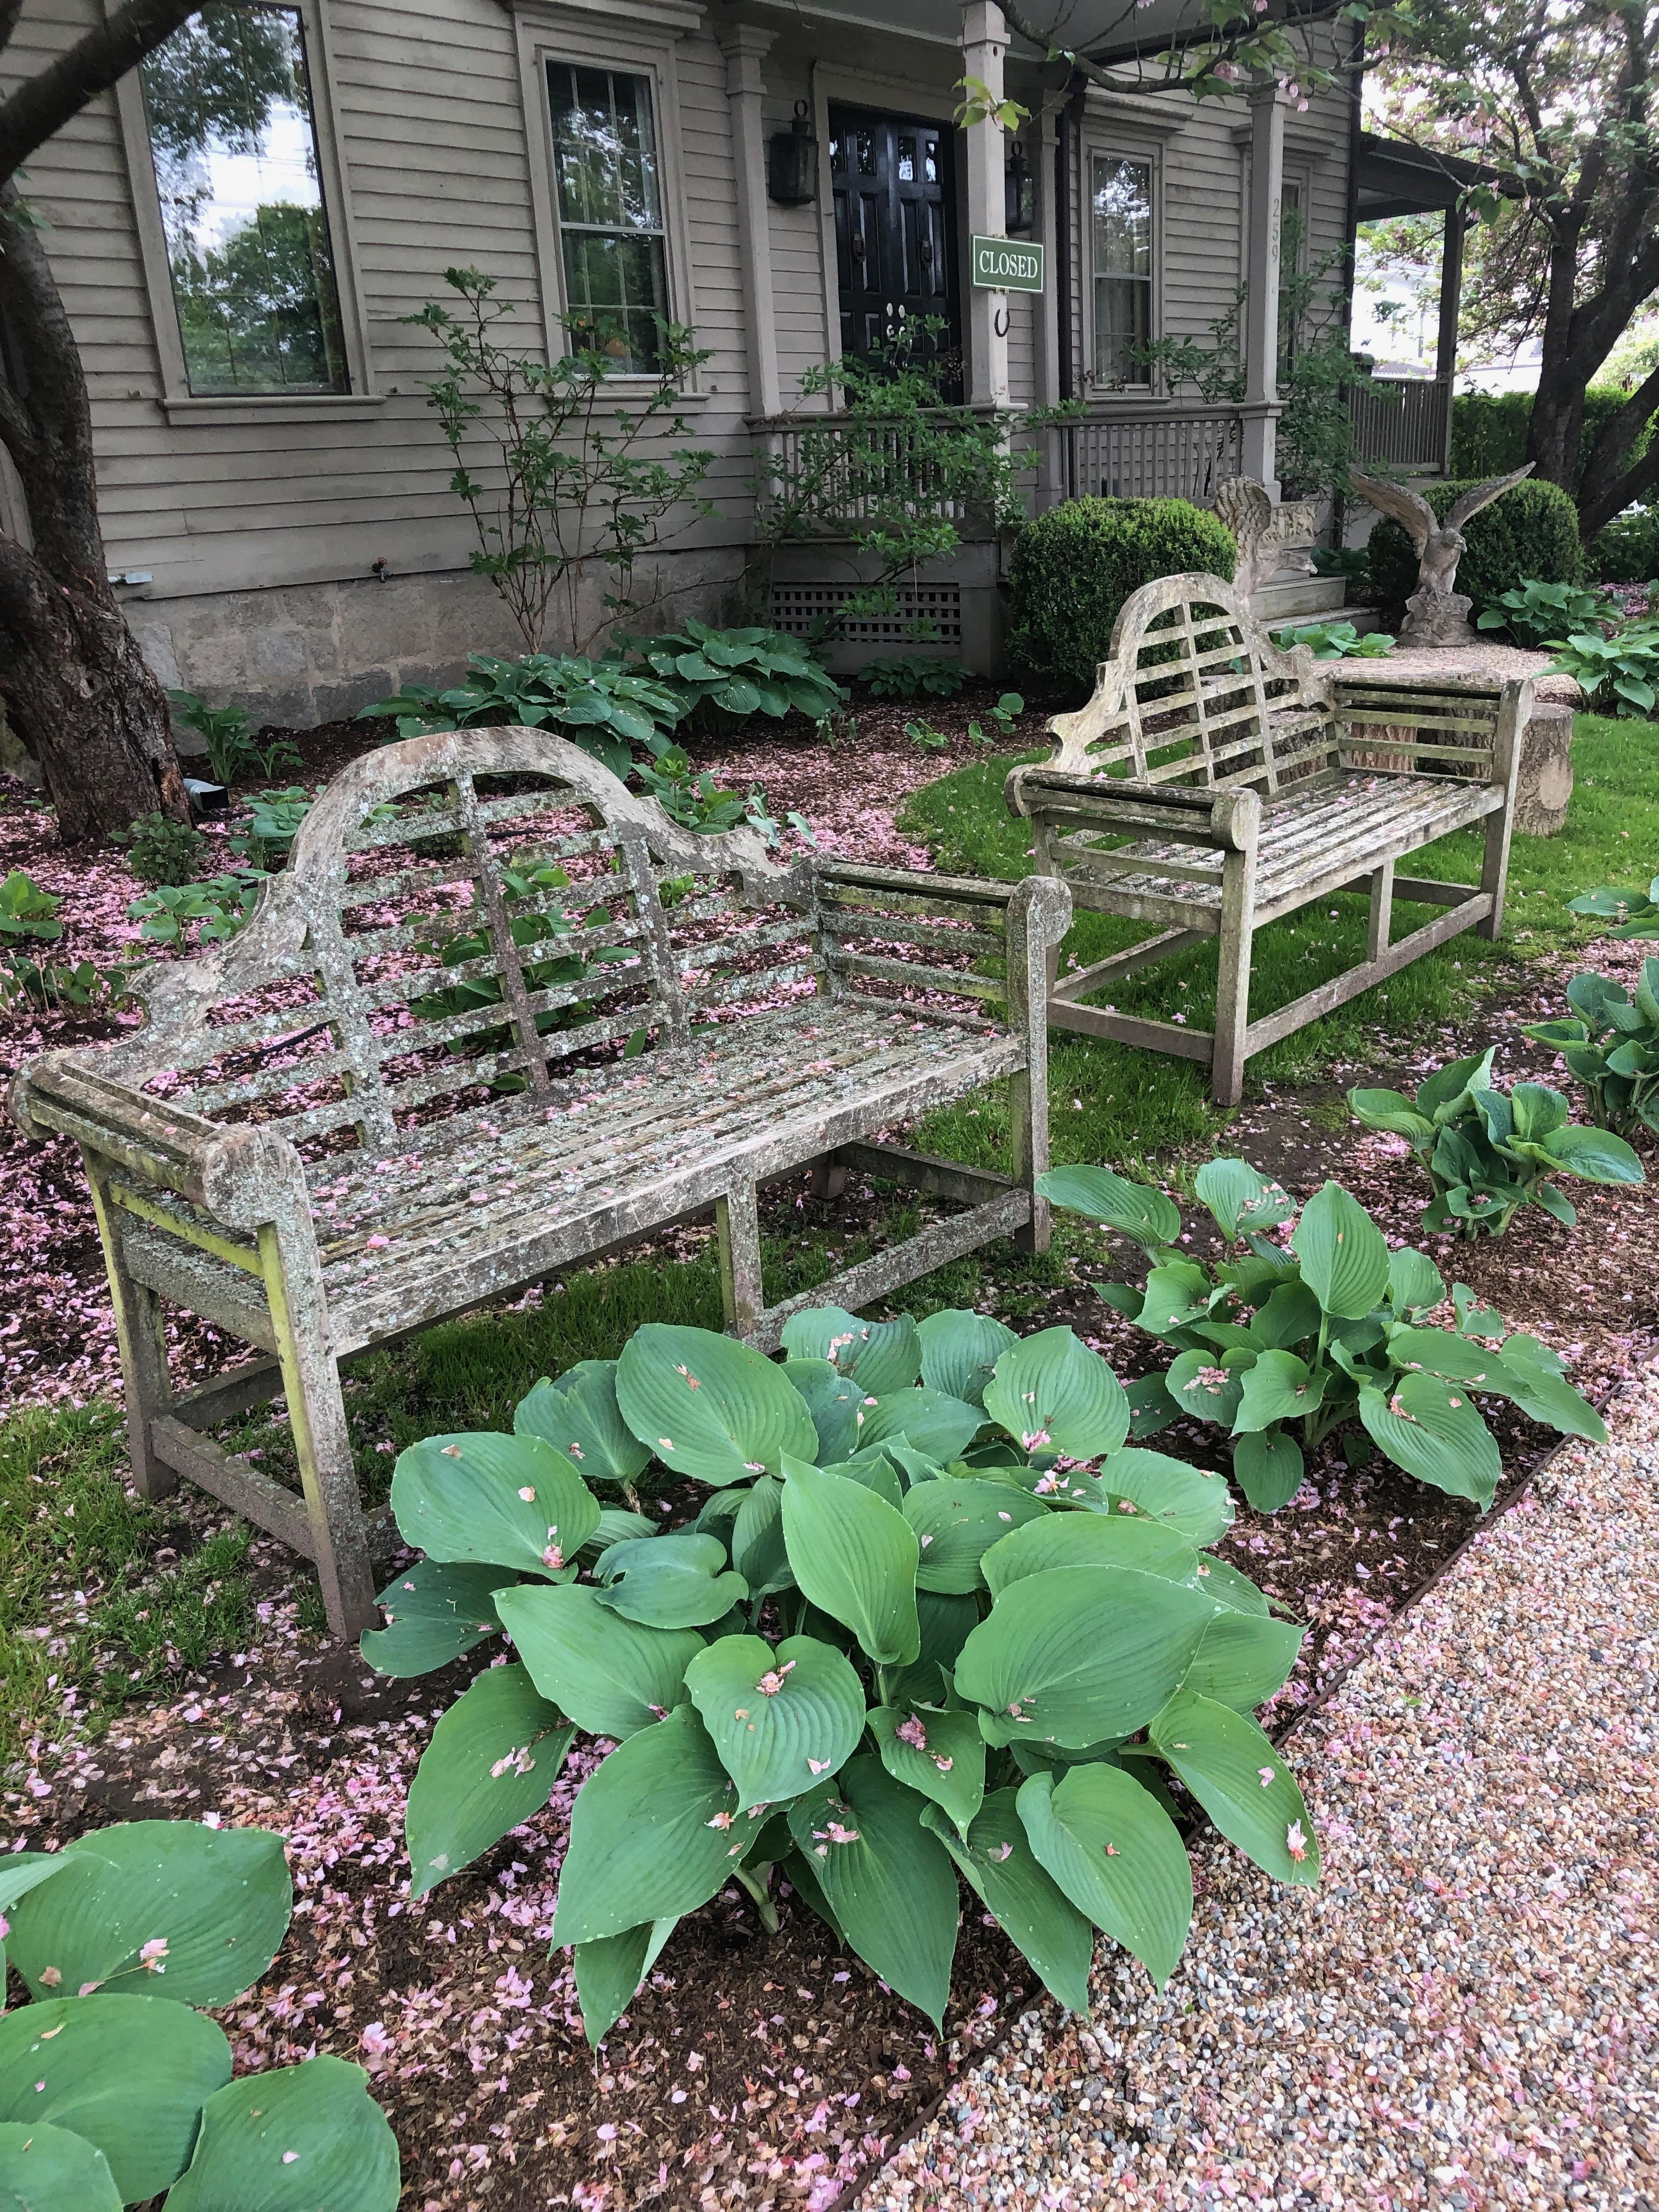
[895, 234]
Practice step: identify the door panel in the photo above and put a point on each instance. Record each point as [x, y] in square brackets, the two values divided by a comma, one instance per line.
[896, 258]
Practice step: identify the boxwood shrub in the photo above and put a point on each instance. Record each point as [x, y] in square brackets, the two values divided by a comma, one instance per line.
[1073, 568]
[1532, 531]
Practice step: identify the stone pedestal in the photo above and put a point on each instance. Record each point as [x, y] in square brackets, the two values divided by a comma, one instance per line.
[1545, 789]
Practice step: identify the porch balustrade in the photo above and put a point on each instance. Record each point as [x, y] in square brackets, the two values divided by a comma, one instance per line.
[1404, 420]
[1162, 451]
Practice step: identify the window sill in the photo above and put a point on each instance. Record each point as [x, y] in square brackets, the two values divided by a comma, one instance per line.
[245, 409]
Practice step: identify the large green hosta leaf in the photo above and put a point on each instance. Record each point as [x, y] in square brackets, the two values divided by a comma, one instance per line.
[435, 1612]
[217, 1900]
[1192, 1502]
[1269, 1468]
[834, 1400]
[1532, 1375]
[1087, 1539]
[1435, 1431]
[1241, 1781]
[610, 1972]
[1244, 1657]
[491, 1766]
[1240, 1198]
[856, 1558]
[938, 1427]
[47, 2169]
[939, 1754]
[304, 2138]
[1344, 1255]
[680, 1580]
[889, 1881]
[129, 2074]
[960, 1351]
[957, 1520]
[1025, 1901]
[1110, 1846]
[780, 1719]
[1276, 1387]
[709, 1406]
[1143, 1215]
[1053, 1394]
[757, 1546]
[881, 1355]
[654, 1833]
[610, 1675]
[1079, 1654]
[513, 1501]
[578, 1414]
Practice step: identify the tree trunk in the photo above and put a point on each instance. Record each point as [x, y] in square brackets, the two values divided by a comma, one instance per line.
[74, 685]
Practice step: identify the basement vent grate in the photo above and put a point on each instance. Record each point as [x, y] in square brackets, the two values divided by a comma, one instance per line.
[925, 613]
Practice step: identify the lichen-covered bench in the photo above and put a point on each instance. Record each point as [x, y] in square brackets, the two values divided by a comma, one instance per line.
[497, 1015]
[1213, 784]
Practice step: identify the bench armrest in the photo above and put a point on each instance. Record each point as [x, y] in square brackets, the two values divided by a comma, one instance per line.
[1475, 726]
[949, 891]
[1224, 821]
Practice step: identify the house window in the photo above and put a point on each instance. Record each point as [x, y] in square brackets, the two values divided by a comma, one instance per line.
[232, 137]
[608, 177]
[1121, 199]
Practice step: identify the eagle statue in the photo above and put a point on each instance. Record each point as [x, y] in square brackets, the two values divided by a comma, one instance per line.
[1436, 614]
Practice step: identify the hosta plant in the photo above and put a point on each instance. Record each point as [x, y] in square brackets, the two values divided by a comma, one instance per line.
[1287, 1345]
[606, 707]
[1611, 1045]
[724, 676]
[1488, 1152]
[1636, 914]
[936, 1618]
[115, 2088]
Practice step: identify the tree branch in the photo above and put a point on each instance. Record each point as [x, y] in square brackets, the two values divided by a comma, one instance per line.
[48, 100]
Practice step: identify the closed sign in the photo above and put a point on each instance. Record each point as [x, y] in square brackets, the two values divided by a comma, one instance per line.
[1007, 264]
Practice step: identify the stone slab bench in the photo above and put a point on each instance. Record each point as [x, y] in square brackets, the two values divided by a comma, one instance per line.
[1215, 784]
[498, 1015]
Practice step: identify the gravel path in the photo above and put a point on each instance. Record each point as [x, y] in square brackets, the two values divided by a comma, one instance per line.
[1466, 2014]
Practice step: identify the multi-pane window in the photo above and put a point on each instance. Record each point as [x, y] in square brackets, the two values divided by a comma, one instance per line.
[1121, 204]
[233, 136]
[609, 179]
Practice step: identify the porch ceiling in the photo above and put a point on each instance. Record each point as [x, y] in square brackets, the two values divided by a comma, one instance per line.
[1396, 178]
[1092, 27]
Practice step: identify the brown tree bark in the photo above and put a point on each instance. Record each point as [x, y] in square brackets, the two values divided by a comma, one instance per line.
[74, 685]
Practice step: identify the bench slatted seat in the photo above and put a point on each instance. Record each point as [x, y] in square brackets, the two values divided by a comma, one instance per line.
[1215, 784]
[497, 1015]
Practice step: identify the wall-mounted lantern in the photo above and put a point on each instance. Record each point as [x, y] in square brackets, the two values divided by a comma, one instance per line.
[1018, 195]
[791, 162]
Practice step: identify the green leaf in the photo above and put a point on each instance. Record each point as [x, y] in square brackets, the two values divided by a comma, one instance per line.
[998, 1864]
[941, 1755]
[1191, 1502]
[617, 1526]
[1530, 1373]
[1444, 1096]
[1415, 1284]
[940, 1427]
[610, 1972]
[1177, 1293]
[1269, 1467]
[709, 1406]
[1276, 1387]
[491, 1766]
[856, 1558]
[889, 1881]
[780, 1719]
[129, 2074]
[578, 1415]
[218, 1899]
[1051, 1393]
[1240, 1198]
[1241, 1783]
[1593, 1155]
[22, 1871]
[960, 1351]
[1087, 1539]
[304, 2138]
[434, 1612]
[1143, 1215]
[47, 2169]
[882, 1355]
[610, 1675]
[1112, 1849]
[1244, 1657]
[1435, 1431]
[1078, 1654]
[654, 1831]
[833, 1400]
[758, 1547]
[874, 1470]
[1388, 1110]
[679, 1580]
[1344, 1255]
[957, 1520]
[513, 1501]
[1204, 1385]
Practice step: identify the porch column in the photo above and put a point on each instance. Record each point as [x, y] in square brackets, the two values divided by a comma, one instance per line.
[984, 43]
[1046, 366]
[1260, 409]
[746, 44]
[1451, 302]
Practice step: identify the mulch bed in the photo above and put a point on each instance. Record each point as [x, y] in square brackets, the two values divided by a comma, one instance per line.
[754, 2071]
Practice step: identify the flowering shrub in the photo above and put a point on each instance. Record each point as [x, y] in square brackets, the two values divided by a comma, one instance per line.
[936, 1618]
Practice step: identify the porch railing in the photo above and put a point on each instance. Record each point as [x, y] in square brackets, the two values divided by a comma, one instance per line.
[1404, 420]
[850, 479]
[1148, 453]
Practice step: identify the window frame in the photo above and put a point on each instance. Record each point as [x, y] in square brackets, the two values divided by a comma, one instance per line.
[181, 403]
[1117, 146]
[642, 46]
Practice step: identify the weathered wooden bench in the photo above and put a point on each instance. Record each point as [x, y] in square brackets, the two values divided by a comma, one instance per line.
[499, 1014]
[1213, 784]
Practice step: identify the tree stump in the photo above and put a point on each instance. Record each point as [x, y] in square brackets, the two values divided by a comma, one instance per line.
[1545, 789]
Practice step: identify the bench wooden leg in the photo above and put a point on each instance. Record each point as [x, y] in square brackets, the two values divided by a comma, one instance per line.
[328, 1473]
[1232, 991]
[1382, 916]
[141, 1336]
[737, 1218]
[1512, 717]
